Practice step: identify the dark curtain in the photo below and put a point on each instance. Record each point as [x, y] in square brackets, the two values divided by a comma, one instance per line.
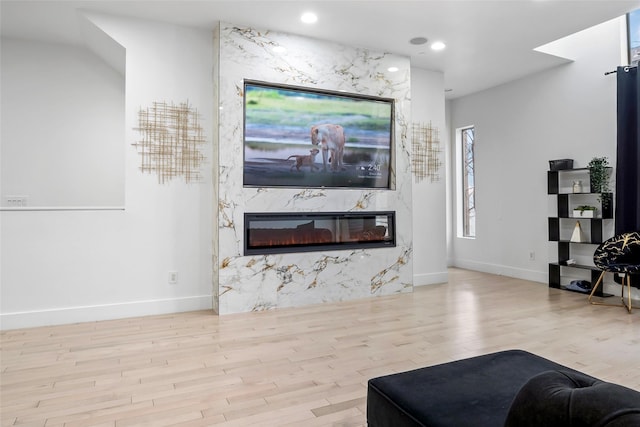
[627, 216]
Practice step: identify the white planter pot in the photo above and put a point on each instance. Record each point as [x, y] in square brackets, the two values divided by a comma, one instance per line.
[583, 214]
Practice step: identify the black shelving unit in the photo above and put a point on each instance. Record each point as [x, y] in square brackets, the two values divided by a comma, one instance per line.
[564, 211]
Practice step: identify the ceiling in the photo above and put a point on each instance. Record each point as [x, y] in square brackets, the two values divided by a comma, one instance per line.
[488, 42]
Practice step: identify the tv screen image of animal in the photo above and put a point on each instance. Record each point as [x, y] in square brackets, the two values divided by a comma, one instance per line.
[308, 138]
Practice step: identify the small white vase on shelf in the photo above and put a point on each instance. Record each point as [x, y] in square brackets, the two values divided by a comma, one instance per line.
[577, 186]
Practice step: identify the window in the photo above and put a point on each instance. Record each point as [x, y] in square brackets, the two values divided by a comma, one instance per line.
[468, 205]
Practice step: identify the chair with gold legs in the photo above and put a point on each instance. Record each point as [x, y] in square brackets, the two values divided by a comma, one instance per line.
[619, 254]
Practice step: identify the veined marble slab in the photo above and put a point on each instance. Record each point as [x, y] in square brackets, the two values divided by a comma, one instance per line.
[246, 283]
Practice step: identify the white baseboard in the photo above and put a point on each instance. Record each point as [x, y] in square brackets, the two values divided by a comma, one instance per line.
[430, 278]
[503, 270]
[68, 315]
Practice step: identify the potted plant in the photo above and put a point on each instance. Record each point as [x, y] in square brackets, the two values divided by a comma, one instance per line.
[584, 211]
[599, 177]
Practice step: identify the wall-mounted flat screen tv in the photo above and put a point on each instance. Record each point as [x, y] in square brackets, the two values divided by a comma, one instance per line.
[301, 137]
[633, 36]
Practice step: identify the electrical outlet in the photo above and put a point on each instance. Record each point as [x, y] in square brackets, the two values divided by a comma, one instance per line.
[173, 277]
[532, 256]
[15, 201]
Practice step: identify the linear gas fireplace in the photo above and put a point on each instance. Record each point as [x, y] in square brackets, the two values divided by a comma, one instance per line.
[271, 233]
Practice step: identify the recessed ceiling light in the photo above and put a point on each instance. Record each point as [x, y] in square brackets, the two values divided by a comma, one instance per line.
[418, 40]
[392, 69]
[309, 18]
[438, 45]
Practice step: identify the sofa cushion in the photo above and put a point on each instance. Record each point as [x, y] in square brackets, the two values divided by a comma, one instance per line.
[562, 398]
[475, 392]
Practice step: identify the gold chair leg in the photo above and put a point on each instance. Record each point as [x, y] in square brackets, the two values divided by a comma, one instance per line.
[627, 280]
[595, 287]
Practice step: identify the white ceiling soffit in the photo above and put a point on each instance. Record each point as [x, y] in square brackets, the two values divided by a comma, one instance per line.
[489, 42]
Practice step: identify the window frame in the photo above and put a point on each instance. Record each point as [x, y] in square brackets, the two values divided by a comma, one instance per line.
[467, 213]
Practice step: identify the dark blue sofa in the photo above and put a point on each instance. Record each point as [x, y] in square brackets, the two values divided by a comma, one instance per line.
[506, 389]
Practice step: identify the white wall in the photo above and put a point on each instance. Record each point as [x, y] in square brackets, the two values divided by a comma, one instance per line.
[62, 126]
[72, 266]
[429, 198]
[565, 112]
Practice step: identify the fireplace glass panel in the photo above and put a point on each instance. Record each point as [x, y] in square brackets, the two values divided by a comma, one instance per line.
[269, 233]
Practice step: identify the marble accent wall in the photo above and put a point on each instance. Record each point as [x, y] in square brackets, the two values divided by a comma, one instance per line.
[247, 283]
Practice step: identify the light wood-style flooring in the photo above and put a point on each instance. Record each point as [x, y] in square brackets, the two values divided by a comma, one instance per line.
[304, 366]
